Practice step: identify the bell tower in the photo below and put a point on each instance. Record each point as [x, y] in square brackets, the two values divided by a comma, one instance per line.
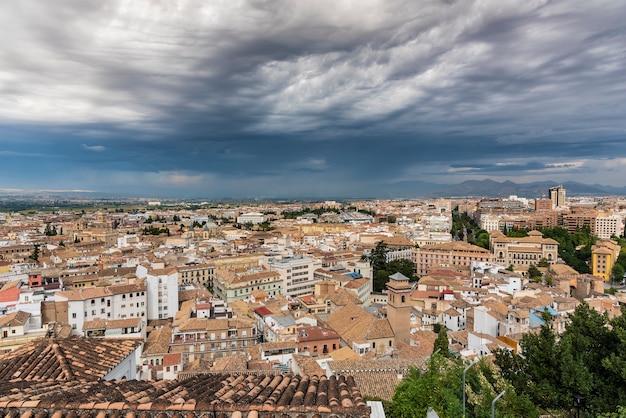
[398, 306]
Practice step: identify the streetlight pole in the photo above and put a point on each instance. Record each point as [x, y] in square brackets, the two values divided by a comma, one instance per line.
[493, 404]
[426, 359]
[464, 371]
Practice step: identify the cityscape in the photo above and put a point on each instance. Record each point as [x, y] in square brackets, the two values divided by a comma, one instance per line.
[328, 209]
[351, 296]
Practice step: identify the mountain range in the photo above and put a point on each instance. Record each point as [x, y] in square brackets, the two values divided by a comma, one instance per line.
[399, 190]
[491, 188]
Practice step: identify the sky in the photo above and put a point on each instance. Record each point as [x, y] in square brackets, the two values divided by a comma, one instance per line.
[309, 98]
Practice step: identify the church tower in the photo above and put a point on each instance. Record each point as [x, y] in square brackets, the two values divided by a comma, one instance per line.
[398, 306]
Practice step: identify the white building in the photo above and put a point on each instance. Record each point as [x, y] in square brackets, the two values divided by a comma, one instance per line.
[489, 222]
[162, 291]
[431, 238]
[112, 302]
[607, 226]
[251, 218]
[439, 223]
[485, 322]
[296, 273]
[403, 253]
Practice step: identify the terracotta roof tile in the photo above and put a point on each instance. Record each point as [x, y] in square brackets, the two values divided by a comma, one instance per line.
[202, 393]
[18, 318]
[65, 359]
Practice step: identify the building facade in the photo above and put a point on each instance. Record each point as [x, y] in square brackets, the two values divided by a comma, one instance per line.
[523, 251]
[297, 274]
[456, 253]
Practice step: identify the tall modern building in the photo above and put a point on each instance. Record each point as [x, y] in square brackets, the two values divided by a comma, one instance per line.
[557, 196]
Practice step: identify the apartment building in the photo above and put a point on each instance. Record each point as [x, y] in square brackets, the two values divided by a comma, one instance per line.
[162, 291]
[314, 341]
[455, 253]
[608, 226]
[240, 262]
[297, 274]
[124, 301]
[230, 286]
[579, 219]
[543, 204]
[203, 338]
[557, 196]
[196, 273]
[603, 257]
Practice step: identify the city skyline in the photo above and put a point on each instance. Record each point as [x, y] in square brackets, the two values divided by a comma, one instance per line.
[332, 98]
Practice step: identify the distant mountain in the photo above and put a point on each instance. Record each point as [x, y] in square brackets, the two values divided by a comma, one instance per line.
[491, 188]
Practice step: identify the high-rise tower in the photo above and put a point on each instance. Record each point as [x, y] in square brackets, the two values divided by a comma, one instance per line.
[557, 196]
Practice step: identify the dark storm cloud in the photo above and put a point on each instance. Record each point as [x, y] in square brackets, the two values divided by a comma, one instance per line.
[331, 96]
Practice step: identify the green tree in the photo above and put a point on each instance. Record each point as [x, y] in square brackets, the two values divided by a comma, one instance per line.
[381, 277]
[378, 260]
[534, 273]
[543, 263]
[439, 387]
[402, 265]
[617, 273]
[588, 359]
[50, 231]
[35, 254]
[378, 256]
[442, 343]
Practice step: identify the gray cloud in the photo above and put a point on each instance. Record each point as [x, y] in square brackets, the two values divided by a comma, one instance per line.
[331, 95]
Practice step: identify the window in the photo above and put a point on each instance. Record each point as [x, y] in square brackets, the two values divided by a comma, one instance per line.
[74, 315]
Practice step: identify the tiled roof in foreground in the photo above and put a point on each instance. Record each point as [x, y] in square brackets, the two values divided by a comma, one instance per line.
[65, 358]
[214, 395]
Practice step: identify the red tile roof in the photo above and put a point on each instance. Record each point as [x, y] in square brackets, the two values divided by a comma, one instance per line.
[65, 359]
[221, 395]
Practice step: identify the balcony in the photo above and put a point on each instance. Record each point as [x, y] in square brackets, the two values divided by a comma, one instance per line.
[178, 340]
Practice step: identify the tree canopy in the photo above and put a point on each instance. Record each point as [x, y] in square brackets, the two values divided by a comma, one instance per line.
[587, 360]
[383, 269]
[440, 388]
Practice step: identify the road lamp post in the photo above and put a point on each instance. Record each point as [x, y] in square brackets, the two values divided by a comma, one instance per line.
[493, 404]
[578, 398]
[427, 358]
[465, 371]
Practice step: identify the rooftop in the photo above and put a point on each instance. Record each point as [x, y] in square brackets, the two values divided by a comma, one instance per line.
[226, 394]
[64, 359]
